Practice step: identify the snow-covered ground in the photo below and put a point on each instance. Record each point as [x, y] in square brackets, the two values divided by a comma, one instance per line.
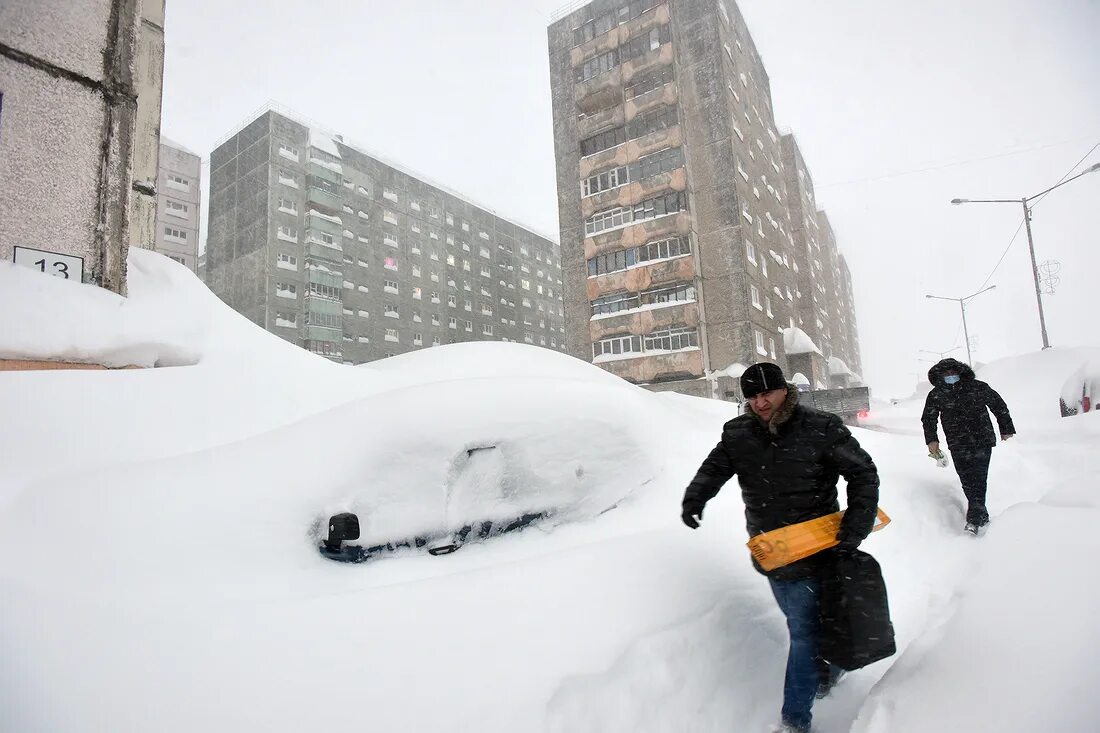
[159, 571]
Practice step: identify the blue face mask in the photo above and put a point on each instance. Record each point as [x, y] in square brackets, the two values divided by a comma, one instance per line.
[951, 379]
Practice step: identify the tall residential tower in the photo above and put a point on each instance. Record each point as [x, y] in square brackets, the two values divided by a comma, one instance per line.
[677, 251]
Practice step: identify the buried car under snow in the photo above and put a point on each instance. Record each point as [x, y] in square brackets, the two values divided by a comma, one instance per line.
[425, 493]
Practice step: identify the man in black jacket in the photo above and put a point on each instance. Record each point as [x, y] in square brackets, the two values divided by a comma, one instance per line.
[787, 459]
[959, 401]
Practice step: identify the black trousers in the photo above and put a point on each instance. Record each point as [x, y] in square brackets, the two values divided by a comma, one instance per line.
[972, 465]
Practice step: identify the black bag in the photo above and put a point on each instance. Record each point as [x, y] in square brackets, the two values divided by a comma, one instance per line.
[855, 614]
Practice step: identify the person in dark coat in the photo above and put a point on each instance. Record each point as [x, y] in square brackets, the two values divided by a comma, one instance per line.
[788, 458]
[959, 401]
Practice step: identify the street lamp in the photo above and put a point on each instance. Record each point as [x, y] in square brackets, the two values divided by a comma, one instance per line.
[1030, 242]
[962, 307]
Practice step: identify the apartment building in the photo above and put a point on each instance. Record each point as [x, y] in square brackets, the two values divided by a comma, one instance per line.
[179, 179]
[356, 259]
[825, 306]
[677, 253]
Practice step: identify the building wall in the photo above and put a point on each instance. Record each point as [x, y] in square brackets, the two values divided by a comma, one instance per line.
[148, 82]
[735, 219]
[67, 119]
[294, 211]
[179, 181]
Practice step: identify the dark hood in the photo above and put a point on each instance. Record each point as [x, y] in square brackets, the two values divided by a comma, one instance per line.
[937, 372]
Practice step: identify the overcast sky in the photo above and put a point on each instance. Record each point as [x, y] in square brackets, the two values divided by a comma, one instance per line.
[898, 108]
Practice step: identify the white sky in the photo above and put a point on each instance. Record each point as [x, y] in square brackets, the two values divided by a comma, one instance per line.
[898, 109]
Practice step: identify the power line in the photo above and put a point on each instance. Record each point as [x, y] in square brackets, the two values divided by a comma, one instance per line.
[952, 164]
[1021, 225]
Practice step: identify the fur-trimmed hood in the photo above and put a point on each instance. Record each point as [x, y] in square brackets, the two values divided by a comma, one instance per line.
[942, 367]
[783, 414]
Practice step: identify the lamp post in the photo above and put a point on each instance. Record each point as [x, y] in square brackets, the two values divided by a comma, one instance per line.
[962, 307]
[1025, 202]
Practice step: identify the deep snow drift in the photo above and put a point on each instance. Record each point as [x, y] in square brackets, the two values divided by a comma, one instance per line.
[159, 572]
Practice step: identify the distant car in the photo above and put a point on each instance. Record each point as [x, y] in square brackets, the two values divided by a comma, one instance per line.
[1080, 390]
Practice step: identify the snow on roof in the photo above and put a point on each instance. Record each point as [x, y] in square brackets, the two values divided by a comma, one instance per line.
[734, 370]
[837, 366]
[173, 144]
[321, 141]
[797, 341]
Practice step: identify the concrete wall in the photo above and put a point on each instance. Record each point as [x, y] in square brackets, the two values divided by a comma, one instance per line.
[66, 130]
[148, 83]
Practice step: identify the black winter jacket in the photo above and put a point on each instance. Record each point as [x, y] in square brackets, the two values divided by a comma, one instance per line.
[788, 473]
[962, 409]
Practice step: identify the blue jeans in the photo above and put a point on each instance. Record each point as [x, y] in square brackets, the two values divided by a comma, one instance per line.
[799, 600]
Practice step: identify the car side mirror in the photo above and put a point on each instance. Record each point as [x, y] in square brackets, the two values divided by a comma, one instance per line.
[341, 527]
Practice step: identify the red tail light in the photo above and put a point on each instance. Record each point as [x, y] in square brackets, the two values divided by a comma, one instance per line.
[863, 414]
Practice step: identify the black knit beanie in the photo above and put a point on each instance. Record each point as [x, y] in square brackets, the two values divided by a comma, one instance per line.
[760, 378]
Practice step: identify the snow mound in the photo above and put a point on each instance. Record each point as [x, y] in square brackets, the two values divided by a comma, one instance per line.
[797, 341]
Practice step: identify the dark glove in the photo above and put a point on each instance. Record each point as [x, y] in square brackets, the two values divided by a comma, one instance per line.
[847, 542]
[692, 508]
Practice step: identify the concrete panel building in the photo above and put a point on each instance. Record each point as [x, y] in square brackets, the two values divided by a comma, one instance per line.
[356, 259]
[825, 307]
[677, 253]
[179, 180]
[69, 104]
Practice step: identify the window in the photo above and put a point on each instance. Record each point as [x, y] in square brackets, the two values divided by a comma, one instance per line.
[389, 194]
[390, 263]
[177, 235]
[649, 82]
[603, 141]
[286, 290]
[771, 347]
[525, 284]
[469, 325]
[177, 259]
[452, 322]
[390, 286]
[317, 290]
[435, 319]
[486, 330]
[468, 305]
[764, 266]
[287, 179]
[605, 181]
[755, 293]
[768, 305]
[615, 345]
[287, 206]
[750, 252]
[645, 42]
[673, 339]
[286, 320]
[288, 151]
[417, 294]
[653, 208]
[391, 335]
[287, 262]
[390, 310]
[177, 209]
[596, 65]
[178, 182]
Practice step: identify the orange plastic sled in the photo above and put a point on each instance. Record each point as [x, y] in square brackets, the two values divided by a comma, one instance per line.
[787, 544]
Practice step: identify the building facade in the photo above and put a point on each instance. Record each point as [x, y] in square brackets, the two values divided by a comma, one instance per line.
[356, 259]
[678, 257]
[76, 79]
[825, 306]
[179, 180]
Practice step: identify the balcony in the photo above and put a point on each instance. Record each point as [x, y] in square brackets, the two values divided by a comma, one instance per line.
[324, 199]
[331, 252]
[324, 333]
[322, 277]
[322, 223]
[316, 169]
[647, 368]
[641, 322]
[589, 125]
[599, 91]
